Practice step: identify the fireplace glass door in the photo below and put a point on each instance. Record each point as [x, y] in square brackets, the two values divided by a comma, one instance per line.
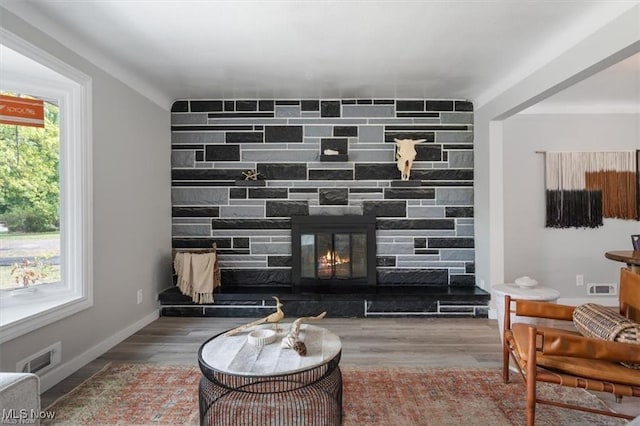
[333, 252]
[330, 256]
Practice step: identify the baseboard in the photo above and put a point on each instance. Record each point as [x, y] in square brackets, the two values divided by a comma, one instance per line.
[63, 371]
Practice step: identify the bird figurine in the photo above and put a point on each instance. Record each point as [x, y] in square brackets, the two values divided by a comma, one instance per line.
[274, 319]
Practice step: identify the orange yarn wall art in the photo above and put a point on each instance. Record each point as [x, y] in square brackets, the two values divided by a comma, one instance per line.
[582, 188]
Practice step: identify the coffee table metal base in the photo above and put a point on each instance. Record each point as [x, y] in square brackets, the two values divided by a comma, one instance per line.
[309, 397]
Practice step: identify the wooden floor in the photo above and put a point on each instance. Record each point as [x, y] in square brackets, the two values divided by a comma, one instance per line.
[408, 342]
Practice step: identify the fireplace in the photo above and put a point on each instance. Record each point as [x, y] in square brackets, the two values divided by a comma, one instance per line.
[333, 253]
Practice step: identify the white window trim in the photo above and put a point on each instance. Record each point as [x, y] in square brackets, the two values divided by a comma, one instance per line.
[76, 198]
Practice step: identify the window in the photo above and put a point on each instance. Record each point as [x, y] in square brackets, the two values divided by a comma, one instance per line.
[26, 70]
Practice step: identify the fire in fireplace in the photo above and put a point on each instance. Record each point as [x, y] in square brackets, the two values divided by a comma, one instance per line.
[333, 251]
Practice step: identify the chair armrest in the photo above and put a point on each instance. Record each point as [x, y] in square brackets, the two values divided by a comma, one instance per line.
[532, 308]
[585, 347]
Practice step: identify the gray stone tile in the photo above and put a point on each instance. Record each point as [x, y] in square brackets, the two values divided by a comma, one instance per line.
[395, 248]
[371, 134]
[457, 254]
[260, 240]
[368, 111]
[425, 165]
[425, 212]
[465, 221]
[271, 248]
[318, 131]
[369, 155]
[303, 196]
[183, 158]
[418, 258]
[192, 220]
[456, 117]
[310, 114]
[460, 159]
[270, 146]
[454, 137]
[435, 264]
[201, 196]
[243, 258]
[281, 239]
[241, 211]
[416, 233]
[197, 137]
[257, 121]
[311, 141]
[426, 121]
[454, 196]
[287, 111]
[189, 118]
[413, 202]
[248, 233]
[377, 146]
[244, 202]
[382, 240]
[278, 184]
[323, 121]
[314, 184]
[226, 264]
[440, 165]
[279, 156]
[465, 231]
[191, 230]
[232, 165]
[403, 240]
[390, 121]
[356, 184]
[335, 210]
[366, 196]
[204, 165]
[329, 165]
[428, 202]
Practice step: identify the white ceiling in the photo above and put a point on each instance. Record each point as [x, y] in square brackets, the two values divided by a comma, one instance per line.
[472, 49]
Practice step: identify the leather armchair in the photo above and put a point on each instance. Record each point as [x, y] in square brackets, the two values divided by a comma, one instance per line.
[566, 358]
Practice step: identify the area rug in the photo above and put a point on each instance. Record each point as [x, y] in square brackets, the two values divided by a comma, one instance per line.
[149, 394]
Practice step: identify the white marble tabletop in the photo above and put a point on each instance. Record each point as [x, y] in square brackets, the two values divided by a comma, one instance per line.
[235, 355]
[537, 292]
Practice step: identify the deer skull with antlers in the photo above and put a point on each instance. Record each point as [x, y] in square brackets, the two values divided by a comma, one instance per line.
[405, 154]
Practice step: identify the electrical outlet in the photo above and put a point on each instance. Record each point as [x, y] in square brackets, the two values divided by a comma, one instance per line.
[579, 280]
[139, 296]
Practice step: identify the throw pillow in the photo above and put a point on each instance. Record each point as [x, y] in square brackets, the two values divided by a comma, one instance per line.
[601, 322]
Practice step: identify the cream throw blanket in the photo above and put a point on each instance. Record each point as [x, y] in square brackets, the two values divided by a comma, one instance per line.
[195, 275]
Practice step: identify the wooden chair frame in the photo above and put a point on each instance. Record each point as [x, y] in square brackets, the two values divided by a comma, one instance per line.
[544, 341]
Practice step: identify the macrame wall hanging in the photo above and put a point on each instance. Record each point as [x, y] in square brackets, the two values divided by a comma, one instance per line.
[582, 188]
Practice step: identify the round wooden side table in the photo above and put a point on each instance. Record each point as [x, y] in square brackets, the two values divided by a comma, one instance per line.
[630, 257]
[245, 384]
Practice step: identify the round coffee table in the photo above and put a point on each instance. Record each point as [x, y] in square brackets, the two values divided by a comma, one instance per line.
[246, 384]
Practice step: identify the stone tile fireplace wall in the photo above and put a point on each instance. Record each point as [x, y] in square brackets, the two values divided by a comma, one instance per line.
[424, 233]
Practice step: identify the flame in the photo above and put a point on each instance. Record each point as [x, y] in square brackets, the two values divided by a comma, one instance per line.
[333, 258]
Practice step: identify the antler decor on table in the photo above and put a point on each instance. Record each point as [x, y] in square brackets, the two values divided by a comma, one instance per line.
[274, 318]
[291, 339]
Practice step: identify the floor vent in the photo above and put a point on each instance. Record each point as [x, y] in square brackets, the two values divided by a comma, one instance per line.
[41, 361]
[601, 289]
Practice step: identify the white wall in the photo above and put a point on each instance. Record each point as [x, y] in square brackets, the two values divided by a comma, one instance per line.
[132, 217]
[607, 45]
[555, 256]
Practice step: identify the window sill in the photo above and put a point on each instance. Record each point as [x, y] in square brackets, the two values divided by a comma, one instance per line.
[22, 312]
